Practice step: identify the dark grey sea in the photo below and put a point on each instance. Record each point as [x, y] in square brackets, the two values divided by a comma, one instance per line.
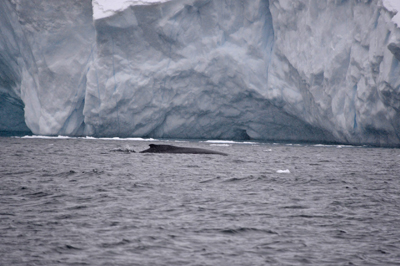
[72, 201]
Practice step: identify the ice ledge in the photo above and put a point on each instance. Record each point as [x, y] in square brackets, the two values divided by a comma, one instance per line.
[107, 8]
[393, 6]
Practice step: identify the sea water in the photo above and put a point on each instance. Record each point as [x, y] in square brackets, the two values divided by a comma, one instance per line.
[85, 201]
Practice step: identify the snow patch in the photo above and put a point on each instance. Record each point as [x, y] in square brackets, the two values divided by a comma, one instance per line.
[393, 6]
[107, 8]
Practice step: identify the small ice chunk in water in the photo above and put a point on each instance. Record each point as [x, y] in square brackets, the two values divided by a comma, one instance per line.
[287, 171]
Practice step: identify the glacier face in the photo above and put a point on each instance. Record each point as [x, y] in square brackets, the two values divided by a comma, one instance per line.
[341, 57]
[307, 70]
[48, 46]
[187, 69]
[11, 68]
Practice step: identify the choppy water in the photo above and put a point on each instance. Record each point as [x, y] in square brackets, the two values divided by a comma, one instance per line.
[87, 202]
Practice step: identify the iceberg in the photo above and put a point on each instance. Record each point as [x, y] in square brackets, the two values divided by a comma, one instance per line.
[340, 58]
[315, 71]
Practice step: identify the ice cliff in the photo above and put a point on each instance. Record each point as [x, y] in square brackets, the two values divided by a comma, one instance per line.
[305, 70]
[45, 48]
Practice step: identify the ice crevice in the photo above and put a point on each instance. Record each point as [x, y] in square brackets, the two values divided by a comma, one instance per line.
[318, 71]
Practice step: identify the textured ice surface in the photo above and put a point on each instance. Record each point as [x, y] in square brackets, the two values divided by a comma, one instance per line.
[335, 65]
[187, 69]
[12, 69]
[49, 51]
[254, 69]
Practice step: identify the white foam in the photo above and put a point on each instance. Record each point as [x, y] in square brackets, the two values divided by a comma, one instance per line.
[46, 137]
[221, 141]
[141, 139]
[345, 146]
[220, 145]
[87, 138]
[230, 142]
[322, 145]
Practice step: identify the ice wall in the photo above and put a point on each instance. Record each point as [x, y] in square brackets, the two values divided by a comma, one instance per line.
[336, 65]
[49, 46]
[306, 70]
[13, 65]
[187, 69]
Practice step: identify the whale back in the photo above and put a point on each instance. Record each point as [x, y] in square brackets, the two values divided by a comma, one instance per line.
[156, 148]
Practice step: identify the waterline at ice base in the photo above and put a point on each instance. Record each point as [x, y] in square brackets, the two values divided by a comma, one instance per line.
[306, 70]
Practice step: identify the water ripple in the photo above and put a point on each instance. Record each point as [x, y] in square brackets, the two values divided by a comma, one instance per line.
[96, 202]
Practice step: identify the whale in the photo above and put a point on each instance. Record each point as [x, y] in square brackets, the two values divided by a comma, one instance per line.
[155, 148]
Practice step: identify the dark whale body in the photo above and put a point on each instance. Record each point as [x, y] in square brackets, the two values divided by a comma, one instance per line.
[154, 148]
